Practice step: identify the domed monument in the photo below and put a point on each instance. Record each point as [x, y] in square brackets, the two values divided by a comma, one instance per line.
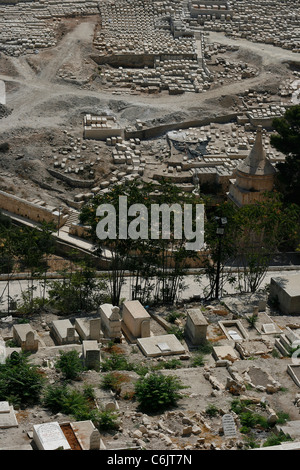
[254, 176]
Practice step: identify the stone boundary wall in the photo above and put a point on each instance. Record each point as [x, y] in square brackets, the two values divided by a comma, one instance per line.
[156, 131]
[138, 60]
[71, 181]
[27, 209]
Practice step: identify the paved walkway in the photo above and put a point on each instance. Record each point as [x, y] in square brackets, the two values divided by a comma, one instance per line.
[16, 287]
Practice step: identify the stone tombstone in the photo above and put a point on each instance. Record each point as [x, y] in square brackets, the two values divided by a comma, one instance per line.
[196, 326]
[229, 427]
[136, 319]
[91, 354]
[30, 340]
[49, 436]
[25, 337]
[95, 440]
[2, 351]
[70, 335]
[95, 329]
[110, 321]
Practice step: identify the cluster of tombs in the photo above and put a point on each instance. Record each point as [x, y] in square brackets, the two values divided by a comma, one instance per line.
[27, 26]
[269, 22]
[132, 324]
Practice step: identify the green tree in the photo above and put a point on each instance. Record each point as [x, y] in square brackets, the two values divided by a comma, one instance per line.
[20, 382]
[78, 290]
[157, 392]
[252, 235]
[69, 364]
[287, 140]
[157, 266]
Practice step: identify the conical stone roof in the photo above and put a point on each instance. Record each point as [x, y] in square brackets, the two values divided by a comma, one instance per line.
[257, 162]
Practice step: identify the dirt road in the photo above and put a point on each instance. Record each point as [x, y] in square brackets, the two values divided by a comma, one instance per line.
[36, 96]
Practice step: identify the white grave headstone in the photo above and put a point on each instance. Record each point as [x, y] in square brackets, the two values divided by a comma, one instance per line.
[229, 427]
[269, 328]
[49, 436]
[2, 352]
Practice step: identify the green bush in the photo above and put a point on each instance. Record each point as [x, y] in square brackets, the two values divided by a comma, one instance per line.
[212, 411]
[156, 392]
[177, 331]
[113, 381]
[70, 364]
[276, 439]
[171, 364]
[79, 405]
[116, 362]
[205, 348]
[61, 399]
[172, 316]
[106, 420]
[197, 360]
[20, 382]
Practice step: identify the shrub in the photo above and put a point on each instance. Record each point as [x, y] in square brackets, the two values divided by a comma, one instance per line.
[172, 316]
[197, 360]
[178, 332]
[70, 365]
[106, 420]
[79, 405]
[205, 348]
[252, 320]
[212, 411]
[276, 439]
[20, 381]
[156, 392]
[116, 362]
[113, 381]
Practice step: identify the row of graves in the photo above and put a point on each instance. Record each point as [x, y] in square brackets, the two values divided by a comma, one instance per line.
[132, 324]
[87, 335]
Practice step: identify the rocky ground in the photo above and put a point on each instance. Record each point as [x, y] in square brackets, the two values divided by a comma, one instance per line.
[190, 425]
[48, 93]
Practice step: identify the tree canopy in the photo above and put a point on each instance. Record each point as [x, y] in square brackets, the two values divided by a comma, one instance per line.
[287, 140]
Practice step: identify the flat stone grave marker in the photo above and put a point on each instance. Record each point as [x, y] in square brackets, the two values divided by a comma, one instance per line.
[229, 427]
[269, 328]
[4, 407]
[49, 436]
[2, 352]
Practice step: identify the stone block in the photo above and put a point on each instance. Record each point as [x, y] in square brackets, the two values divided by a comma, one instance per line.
[163, 345]
[25, 337]
[136, 319]
[49, 436]
[286, 290]
[64, 332]
[196, 326]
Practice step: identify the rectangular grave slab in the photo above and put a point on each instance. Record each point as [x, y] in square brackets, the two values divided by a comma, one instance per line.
[49, 436]
[224, 352]
[286, 290]
[7, 416]
[160, 345]
[25, 337]
[64, 332]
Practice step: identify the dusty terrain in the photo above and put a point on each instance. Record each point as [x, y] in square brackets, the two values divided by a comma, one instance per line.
[166, 430]
[48, 93]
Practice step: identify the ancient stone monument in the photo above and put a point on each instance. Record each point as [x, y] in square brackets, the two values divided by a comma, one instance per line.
[254, 176]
